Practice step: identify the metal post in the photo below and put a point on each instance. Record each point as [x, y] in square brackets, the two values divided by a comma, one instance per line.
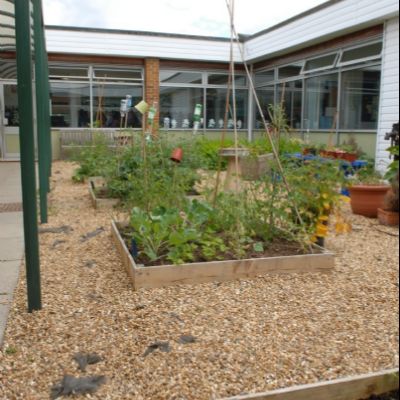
[25, 104]
[40, 110]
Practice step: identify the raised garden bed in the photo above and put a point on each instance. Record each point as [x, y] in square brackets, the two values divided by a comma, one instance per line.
[353, 388]
[255, 167]
[217, 271]
[98, 193]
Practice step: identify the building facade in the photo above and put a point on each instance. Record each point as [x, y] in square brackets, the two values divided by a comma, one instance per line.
[335, 69]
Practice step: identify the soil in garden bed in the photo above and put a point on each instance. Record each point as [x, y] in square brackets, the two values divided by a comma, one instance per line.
[102, 193]
[389, 396]
[276, 248]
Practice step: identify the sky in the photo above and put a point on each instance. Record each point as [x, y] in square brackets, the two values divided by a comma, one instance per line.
[191, 17]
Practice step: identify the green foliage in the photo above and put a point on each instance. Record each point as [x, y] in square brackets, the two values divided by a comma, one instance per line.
[150, 180]
[367, 176]
[315, 189]
[10, 350]
[393, 169]
[94, 161]
[175, 235]
[208, 153]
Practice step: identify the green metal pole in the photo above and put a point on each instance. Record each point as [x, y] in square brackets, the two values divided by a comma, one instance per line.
[26, 135]
[40, 110]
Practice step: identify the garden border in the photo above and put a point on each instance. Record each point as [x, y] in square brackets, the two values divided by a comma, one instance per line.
[217, 271]
[350, 388]
[98, 202]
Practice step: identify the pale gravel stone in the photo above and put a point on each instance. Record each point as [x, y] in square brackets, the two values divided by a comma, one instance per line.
[253, 336]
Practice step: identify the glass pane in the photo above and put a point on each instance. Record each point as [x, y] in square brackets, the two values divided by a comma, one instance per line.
[261, 78]
[177, 106]
[360, 99]
[180, 77]
[266, 97]
[290, 94]
[320, 62]
[223, 79]
[370, 50]
[107, 104]
[11, 105]
[117, 74]
[216, 105]
[321, 102]
[67, 73]
[70, 104]
[289, 71]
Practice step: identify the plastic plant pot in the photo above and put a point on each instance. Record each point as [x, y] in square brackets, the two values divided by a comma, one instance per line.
[177, 155]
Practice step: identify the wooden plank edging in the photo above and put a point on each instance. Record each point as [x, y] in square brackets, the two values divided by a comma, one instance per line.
[218, 271]
[100, 203]
[352, 388]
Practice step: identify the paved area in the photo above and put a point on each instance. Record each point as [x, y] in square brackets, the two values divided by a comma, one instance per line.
[11, 237]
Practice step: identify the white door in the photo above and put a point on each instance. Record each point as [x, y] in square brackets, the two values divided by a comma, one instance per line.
[2, 143]
[9, 121]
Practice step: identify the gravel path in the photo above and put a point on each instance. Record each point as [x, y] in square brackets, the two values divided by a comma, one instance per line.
[250, 336]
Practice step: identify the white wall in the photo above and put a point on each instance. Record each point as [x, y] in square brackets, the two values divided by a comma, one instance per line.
[137, 45]
[389, 101]
[339, 18]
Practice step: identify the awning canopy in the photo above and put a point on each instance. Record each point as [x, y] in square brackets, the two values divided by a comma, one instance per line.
[7, 25]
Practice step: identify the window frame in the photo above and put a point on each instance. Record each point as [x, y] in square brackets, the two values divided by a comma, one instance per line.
[359, 60]
[328, 67]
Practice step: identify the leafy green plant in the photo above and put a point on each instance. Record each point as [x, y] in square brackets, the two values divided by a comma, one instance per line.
[94, 161]
[393, 169]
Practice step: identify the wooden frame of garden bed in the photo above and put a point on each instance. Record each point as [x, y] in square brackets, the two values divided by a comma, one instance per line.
[352, 388]
[96, 201]
[217, 271]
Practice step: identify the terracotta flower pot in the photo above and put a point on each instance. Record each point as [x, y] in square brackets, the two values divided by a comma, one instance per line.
[366, 199]
[350, 157]
[177, 155]
[388, 218]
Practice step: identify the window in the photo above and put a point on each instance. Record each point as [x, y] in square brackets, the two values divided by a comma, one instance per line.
[262, 78]
[192, 78]
[363, 53]
[70, 104]
[289, 71]
[291, 96]
[107, 103]
[266, 96]
[68, 73]
[319, 63]
[177, 106]
[223, 79]
[11, 112]
[71, 88]
[216, 106]
[360, 99]
[321, 102]
[120, 75]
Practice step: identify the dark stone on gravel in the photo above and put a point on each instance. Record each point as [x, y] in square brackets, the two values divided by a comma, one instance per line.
[162, 346]
[62, 229]
[84, 360]
[93, 234]
[70, 386]
[57, 243]
[187, 339]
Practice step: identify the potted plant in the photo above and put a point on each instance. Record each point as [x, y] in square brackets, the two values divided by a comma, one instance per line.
[367, 192]
[389, 213]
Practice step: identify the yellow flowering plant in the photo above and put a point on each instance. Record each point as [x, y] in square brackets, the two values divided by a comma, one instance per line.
[316, 187]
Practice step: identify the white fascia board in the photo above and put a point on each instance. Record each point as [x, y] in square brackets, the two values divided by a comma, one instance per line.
[339, 18]
[136, 45]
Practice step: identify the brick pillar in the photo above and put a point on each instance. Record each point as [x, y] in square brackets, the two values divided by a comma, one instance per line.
[152, 87]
